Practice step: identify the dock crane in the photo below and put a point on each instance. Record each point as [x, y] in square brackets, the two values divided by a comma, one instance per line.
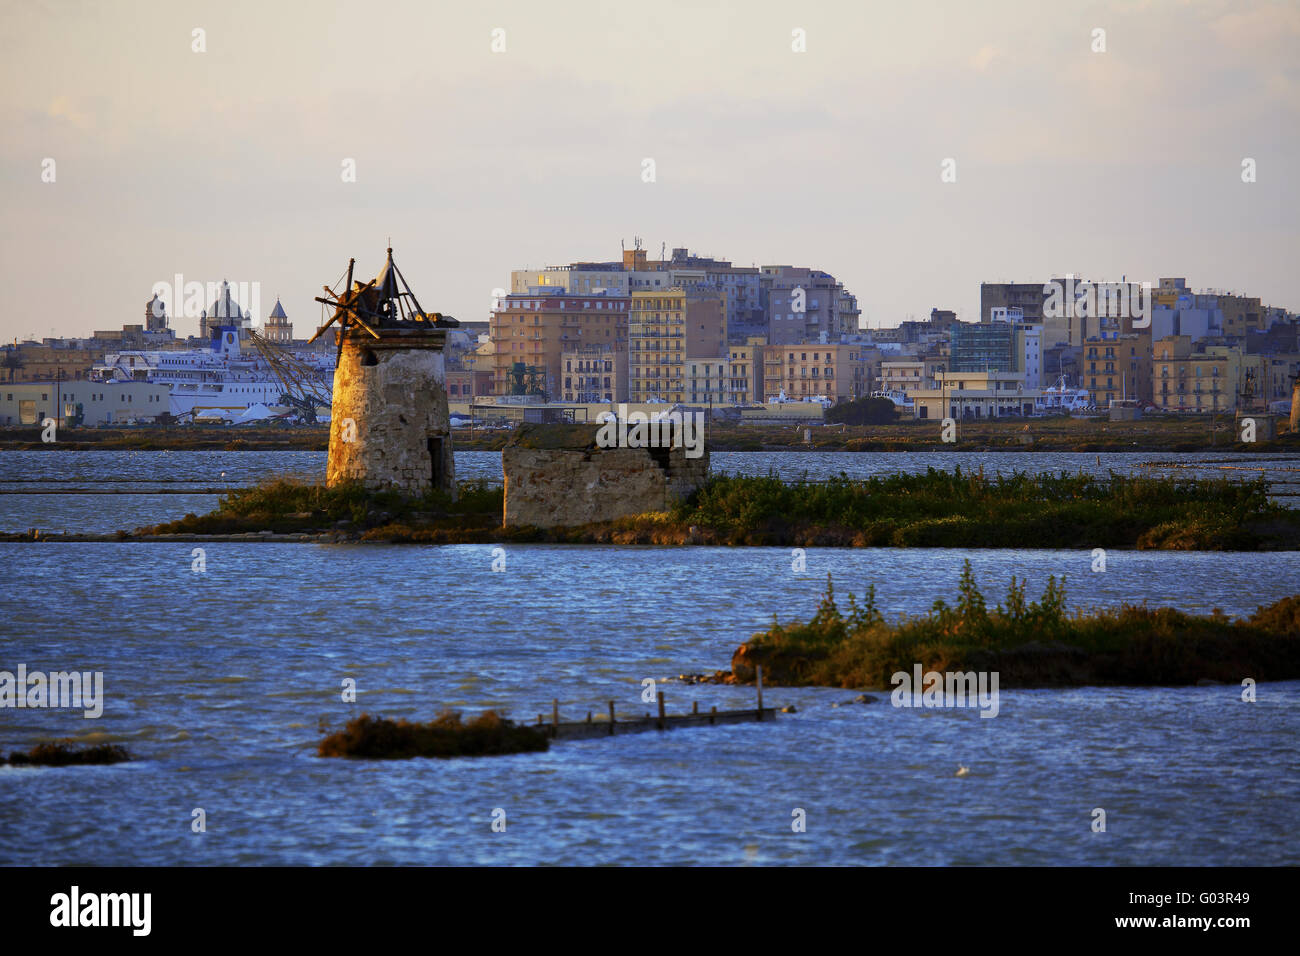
[303, 390]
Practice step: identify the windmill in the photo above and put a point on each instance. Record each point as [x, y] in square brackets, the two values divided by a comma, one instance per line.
[386, 301]
[389, 422]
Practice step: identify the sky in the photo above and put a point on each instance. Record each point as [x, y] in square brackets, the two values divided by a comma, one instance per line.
[230, 162]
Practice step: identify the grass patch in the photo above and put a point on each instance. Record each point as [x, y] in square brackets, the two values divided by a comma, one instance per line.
[1030, 643]
[489, 734]
[286, 506]
[65, 753]
[935, 510]
[954, 510]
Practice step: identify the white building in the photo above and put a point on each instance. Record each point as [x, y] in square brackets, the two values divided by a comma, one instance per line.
[84, 403]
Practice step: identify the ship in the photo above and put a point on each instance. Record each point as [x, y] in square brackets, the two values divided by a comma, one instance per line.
[238, 376]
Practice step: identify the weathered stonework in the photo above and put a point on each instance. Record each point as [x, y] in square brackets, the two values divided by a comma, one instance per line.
[389, 427]
[557, 476]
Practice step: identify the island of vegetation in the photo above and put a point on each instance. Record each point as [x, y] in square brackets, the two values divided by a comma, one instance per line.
[1028, 643]
[447, 735]
[63, 753]
[936, 510]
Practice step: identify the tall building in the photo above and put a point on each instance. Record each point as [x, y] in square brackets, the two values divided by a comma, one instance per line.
[1029, 298]
[666, 328]
[1117, 368]
[987, 347]
[531, 331]
[804, 305]
[745, 372]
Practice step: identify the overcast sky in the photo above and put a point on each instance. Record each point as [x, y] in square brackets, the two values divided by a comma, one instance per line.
[228, 163]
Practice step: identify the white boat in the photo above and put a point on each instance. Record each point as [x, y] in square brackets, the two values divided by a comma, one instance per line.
[900, 398]
[1061, 399]
[222, 380]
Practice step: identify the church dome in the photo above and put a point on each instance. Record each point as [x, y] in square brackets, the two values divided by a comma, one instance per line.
[224, 306]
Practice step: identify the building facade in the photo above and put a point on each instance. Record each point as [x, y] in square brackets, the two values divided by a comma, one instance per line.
[837, 373]
[531, 331]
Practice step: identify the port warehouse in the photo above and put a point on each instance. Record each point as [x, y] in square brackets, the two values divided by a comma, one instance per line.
[82, 402]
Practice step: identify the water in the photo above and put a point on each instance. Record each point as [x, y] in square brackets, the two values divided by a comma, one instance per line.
[216, 681]
[105, 491]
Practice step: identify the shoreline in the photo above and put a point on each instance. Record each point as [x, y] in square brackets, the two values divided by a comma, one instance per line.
[937, 509]
[1094, 435]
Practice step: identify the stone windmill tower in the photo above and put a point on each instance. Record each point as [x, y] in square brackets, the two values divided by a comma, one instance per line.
[389, 427]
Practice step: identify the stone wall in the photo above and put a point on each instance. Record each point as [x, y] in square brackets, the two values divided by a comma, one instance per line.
[556, 475]
[393, 391]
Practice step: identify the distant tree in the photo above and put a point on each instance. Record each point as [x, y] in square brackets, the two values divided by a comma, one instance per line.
[862, 411]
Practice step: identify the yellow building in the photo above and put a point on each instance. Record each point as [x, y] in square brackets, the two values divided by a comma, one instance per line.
[664, 329]
[1118, 367]
[836, 372]
[706, 382]
[745, 371]
[1212, 378]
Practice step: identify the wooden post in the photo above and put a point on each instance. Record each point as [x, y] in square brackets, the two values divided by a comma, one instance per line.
[539, 720]
[660, 696]
[555, 711]
[695, 707]
[611, 718]
[712, 710]
[758, 672]
[588, 716]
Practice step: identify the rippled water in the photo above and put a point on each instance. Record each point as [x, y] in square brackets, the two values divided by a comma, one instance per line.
[216, 681]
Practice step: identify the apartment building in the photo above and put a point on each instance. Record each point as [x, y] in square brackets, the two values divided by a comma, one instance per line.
[594, 373]
[745, 371]
[707, 381]
[1192, 377]
[836, 372]
[803, 305]
[665, 328]
[532, 330]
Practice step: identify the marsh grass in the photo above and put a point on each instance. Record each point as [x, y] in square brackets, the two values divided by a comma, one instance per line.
[1030, 643]
[933, 510]
[64, 753]
[446, 735]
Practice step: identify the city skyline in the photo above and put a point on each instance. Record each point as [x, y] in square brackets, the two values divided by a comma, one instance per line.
[230, 163]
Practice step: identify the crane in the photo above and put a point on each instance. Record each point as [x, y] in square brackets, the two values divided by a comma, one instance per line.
[303, 390]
